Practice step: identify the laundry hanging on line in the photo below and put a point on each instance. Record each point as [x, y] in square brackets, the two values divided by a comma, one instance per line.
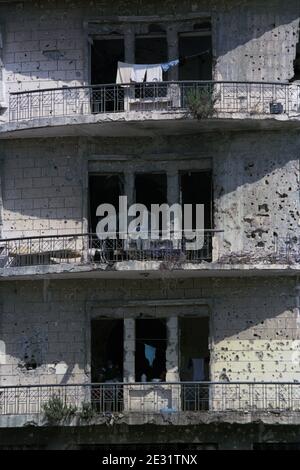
[127, 73]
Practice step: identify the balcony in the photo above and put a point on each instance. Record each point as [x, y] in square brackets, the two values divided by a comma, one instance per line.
[138, 402]
[86, 254]
[88, 251]
[166, 105]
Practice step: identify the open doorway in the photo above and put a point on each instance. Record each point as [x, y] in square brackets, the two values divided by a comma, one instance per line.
[194, 348]
[152, 49]
[150, 350]
[194, 362]
[195, 51]
[105, 54]
[150, 188]
[104, 188]
[107, 350]
[196, 188]
[297, 62]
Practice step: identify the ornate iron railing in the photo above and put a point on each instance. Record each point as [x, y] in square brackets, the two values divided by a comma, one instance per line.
[88, 248]
[215, 98]
[158, 397]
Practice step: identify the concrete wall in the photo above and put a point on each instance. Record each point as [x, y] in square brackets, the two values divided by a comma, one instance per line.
[45, 42]
[254, 333]
[255, 179]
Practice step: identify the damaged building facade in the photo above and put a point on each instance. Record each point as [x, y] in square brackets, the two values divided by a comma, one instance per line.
[146, 341]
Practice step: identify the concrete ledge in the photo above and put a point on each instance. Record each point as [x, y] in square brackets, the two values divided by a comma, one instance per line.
[149, 269]
[160, 419]
[138, 123]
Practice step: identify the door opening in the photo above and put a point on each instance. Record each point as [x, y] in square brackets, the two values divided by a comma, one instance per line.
[150, 351]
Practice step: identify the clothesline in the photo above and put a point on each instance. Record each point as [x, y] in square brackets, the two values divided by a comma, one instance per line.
[127, 73]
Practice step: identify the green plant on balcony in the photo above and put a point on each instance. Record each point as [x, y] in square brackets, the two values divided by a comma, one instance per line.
[201, 102]
[87, 412]
[57, 412]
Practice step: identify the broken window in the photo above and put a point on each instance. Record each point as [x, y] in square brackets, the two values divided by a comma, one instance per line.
[103, 189]
[107, 350]
[195, 50]
[196, 188]
[150, 350]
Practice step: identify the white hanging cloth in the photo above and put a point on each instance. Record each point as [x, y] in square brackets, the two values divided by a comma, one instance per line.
[154, 73]
[138, 72]
[124, 72]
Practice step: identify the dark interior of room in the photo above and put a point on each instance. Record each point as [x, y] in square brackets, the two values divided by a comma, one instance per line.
[150, 353]
[196, 188]
[105, 54]
[194, 348]
[106, 350]
[103, 188]
[198, 67]
[151, 188]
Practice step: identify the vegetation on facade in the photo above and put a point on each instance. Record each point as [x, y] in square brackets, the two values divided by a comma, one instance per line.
[56, 411]
[201, 102]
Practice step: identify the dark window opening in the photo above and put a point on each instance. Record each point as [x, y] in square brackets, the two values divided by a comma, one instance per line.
[151, 49]
[194, 349]
[196, 188]
[150, 350]
[297, 62]
[195, 50]
[105, 54]
[151, 188]
[194, 362]
[103, 189]
[107, 350]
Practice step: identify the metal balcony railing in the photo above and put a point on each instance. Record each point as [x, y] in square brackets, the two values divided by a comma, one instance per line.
[254, 98]
[162, 397]
[88, 248]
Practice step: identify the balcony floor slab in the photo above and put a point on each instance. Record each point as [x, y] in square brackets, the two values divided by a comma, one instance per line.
[141, 124]
[147, 269]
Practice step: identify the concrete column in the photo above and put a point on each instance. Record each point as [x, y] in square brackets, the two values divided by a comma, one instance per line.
[172, 353]
[173, 187]
[129, 45]
[129, 350]
[173, 51]
[129, 188]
